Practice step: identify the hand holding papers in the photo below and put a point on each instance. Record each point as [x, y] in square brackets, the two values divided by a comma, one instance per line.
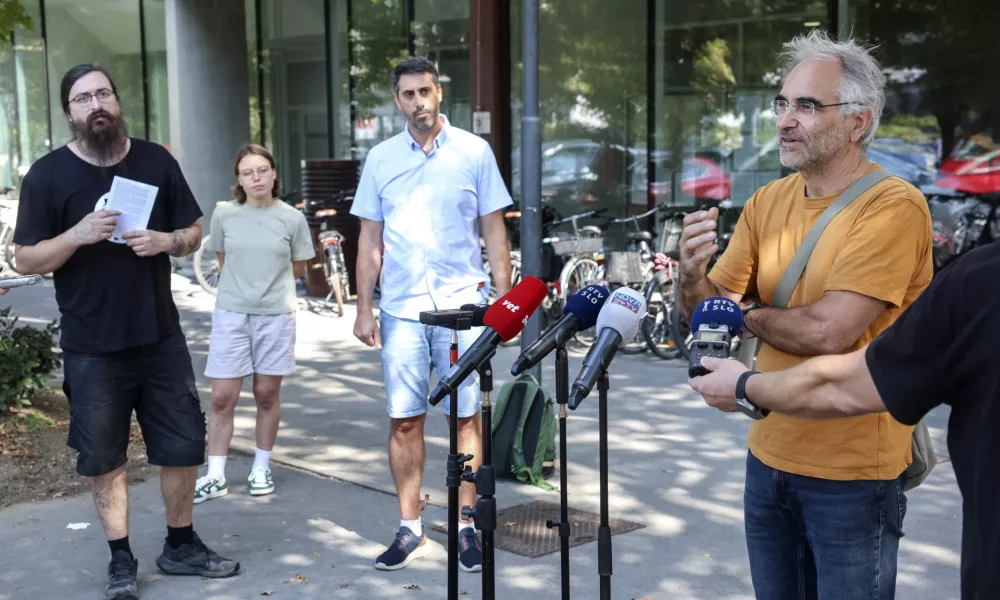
[135, 201]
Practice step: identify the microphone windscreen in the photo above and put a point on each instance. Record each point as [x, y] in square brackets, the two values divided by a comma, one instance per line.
[478, 312]
[721, 311]
[586, 304]
[509, 314]
[624, 313]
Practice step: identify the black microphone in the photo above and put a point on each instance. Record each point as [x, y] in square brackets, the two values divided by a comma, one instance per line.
[617, 324]
[580, 314]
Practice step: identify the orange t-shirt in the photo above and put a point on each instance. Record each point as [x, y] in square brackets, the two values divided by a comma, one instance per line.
[880, 246]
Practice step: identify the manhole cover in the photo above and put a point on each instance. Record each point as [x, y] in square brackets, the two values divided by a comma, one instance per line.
[521, 529]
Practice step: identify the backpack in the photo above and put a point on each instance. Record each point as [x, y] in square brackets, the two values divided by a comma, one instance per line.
[524, 433]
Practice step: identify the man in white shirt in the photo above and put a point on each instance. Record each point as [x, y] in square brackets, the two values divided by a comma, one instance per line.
[425, 197]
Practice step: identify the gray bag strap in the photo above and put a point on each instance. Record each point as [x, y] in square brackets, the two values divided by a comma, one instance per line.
[790, 278]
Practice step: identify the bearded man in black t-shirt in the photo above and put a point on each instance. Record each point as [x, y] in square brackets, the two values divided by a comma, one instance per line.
[123, 348]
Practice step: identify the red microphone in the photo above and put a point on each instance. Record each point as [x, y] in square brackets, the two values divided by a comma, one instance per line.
[504, 319]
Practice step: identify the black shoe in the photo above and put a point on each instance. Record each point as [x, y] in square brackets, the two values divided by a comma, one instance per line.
[469, 551]
[195, 559]
[122, 572]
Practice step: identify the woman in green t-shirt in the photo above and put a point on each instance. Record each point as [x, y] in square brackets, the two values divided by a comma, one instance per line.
[263, 245]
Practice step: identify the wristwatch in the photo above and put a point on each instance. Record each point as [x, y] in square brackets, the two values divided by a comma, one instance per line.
[743, 403]
[749, 307]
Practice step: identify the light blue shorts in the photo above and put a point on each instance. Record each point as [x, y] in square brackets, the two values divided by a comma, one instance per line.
[409, 350]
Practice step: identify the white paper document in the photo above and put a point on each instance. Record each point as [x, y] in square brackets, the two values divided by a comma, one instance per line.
[135, 201]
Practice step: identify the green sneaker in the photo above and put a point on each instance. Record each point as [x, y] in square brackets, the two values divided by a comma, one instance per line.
[207, 488]
[261, 483]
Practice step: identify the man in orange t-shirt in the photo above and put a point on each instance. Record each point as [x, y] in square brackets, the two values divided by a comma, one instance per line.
[823, 500]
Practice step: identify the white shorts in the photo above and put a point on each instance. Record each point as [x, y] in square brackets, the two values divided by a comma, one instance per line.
[244, 344]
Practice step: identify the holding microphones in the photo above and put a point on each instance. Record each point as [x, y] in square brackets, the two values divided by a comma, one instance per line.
[503, 320]
[580, 314]
[714, 324]
[617, 324]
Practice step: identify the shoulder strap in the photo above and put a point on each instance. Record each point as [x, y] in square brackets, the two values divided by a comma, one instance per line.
[793, 271]
[790, 278]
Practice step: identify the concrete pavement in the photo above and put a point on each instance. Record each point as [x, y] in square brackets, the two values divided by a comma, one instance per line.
[675, 467]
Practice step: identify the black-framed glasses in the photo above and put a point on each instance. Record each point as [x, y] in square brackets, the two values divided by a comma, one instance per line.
[103, 95]
[803, 107]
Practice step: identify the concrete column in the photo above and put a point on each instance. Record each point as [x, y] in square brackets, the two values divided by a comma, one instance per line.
[208, 83]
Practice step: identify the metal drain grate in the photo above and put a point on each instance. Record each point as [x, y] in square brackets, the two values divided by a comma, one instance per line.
[521, 529]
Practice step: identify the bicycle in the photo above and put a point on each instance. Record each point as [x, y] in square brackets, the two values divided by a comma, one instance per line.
[573, 256]
[334, 264]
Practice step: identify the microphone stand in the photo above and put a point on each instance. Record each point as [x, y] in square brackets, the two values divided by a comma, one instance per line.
[456, 465]
[562, 397]
[604, 531]
[485, 511]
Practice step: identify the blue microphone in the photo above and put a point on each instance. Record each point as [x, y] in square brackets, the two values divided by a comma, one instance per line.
[714, 324]
[580, 314]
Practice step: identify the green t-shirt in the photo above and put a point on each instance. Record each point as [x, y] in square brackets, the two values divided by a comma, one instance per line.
[259, 245]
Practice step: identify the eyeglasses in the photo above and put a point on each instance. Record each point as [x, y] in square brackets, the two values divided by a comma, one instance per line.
[103, 95]
[261, 172]
[804, 108]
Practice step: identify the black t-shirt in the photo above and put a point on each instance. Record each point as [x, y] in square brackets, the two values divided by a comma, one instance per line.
[110, 298]
[942, 350]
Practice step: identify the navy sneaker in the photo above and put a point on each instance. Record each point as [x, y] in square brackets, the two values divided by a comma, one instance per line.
[469, 551]
[405, 548]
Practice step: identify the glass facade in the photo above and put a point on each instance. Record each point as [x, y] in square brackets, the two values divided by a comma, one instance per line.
[643, 102]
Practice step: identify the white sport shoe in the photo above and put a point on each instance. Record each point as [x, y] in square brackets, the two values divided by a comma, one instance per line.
[261, 483]
[207, 488]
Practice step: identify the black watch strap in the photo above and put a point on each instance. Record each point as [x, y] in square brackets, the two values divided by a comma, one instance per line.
[741, 390]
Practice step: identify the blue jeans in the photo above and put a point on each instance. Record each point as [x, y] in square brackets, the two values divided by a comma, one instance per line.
[409, 350]
[817, 539]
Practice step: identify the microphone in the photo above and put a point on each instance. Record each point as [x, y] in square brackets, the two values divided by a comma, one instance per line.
[714, 324]
[617, 324]
[503, 320]
[580, 314]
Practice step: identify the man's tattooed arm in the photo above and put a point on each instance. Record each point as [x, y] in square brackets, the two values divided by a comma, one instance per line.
[185, 241]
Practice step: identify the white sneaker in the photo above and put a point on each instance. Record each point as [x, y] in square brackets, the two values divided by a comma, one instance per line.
[207, 488]
[261, 483]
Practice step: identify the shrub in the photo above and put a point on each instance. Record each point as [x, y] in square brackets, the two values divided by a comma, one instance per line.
[28, 358]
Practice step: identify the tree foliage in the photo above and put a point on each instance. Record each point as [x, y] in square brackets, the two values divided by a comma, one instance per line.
[13, 14]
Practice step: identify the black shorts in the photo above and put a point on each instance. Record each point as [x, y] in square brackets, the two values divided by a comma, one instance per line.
[157, 381]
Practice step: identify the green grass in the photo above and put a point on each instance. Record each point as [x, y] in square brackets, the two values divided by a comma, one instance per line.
[32, 421]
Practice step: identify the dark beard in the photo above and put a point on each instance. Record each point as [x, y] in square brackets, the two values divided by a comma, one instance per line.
[104, 143]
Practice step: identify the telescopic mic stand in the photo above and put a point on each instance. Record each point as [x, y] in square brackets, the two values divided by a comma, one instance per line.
[455, 320]
[562, 397]
[604, 531]
[485, 511]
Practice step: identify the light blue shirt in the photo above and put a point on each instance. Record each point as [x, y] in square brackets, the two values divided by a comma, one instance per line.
[430, 206]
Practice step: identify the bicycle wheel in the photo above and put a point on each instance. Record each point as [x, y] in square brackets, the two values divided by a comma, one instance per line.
[337, 286]
[656, 327]
[206, 268]
[680, 330]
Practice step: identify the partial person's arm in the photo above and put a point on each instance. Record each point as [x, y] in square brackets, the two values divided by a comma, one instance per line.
[221, 256]
[180, 242]
[825, 387]
[369, 262]
[922, 360]
[298, 268]
[48, 255]
[698, 246]
[829, 326]
[494, 233]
